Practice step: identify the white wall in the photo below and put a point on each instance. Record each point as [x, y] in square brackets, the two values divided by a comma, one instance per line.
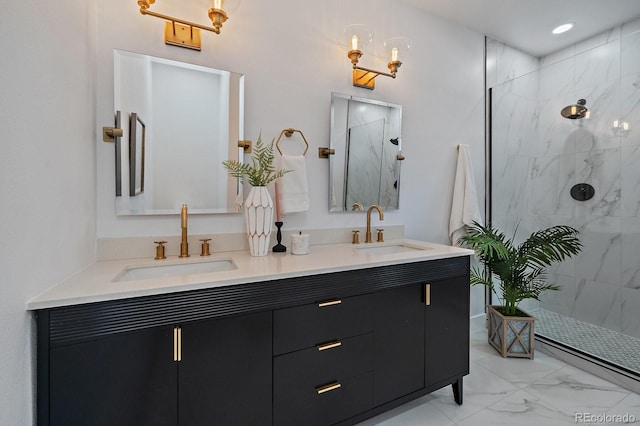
[52, 79]
[290, 53]
[47, 167]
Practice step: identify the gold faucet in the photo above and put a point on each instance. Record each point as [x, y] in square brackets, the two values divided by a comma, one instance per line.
[184, 245]
[368, 234]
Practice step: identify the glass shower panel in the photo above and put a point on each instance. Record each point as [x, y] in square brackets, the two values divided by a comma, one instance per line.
[537, 156]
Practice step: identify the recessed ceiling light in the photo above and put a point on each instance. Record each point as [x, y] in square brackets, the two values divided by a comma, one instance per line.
[562, 28]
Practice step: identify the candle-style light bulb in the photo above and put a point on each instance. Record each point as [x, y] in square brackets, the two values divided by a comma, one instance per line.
[354, 42]
[394, 54]
[217, 4]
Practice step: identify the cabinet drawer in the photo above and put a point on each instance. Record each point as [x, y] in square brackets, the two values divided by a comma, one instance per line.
[311, 406]
[305, 326]
[315, 366]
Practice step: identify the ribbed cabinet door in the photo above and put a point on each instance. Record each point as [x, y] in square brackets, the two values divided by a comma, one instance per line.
[127, 379]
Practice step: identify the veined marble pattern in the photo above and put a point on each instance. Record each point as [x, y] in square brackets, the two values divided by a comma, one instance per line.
[365, 158]
[630, 60]
[630, 250]
[538, 156]
[506, 392]
[591, 70]
[508, 63]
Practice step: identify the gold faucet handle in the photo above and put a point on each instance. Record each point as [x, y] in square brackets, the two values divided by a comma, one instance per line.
[356, 237]
[380, 236]
[205, 247]
[160, 250]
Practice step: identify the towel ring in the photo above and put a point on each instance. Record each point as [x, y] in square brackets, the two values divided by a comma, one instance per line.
[288, 133]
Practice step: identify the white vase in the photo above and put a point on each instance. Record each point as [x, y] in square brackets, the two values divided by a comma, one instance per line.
[258, 214]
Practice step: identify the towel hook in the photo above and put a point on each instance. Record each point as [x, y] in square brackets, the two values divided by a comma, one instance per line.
[288, 133]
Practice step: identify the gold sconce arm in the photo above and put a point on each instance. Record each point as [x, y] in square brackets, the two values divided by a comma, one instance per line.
[183, 33]
[365, 77]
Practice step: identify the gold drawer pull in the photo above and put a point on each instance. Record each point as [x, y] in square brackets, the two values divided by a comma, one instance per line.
[329, 303]
[328, 388]
[329, 345]
[427, 294]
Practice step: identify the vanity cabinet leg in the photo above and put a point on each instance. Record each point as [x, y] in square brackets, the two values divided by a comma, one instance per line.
[457, 390]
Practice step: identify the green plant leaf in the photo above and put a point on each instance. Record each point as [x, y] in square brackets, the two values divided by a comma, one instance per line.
[520, 270]
[261, 171]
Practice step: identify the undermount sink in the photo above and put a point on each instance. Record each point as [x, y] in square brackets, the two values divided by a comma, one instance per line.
[392, 248]
[145, 272]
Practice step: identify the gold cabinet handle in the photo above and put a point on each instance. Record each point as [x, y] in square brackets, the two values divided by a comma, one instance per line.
[328, 388]
[177, 344]
[329, 303]
[329, 345]
[427, 294]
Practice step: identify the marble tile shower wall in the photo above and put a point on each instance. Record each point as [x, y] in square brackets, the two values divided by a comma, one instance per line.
[538, 156]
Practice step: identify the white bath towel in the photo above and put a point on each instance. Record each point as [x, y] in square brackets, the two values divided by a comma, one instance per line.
[293, 189]
[464, 207]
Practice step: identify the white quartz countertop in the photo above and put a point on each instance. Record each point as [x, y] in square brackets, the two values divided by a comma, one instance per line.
[96, 282]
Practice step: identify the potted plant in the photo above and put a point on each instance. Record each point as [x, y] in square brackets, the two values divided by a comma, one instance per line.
[521, 274]
[258, 207]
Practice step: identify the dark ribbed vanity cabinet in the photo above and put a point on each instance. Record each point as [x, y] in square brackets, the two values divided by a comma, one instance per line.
[324, 349]
[168, 375]
[123, 379]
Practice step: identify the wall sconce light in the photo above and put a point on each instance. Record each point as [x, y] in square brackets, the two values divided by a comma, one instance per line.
[178, 32]
[358, 38]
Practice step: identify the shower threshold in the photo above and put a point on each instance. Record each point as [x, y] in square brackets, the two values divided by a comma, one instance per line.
[603, 352]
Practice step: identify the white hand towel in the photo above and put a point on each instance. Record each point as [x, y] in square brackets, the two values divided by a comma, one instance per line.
[464, 207]
[293, 189]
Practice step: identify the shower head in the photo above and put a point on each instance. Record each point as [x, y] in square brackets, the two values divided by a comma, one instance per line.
[578, 110]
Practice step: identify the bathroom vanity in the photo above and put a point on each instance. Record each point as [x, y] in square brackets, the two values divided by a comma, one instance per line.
[334, 337]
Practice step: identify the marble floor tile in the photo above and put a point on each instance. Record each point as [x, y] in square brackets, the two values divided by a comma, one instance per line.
[573, 390]
[481, 389]
[521, 371]
[521, 409]
[508, 391]
[629, 406]
[420, 412]
[478, 346]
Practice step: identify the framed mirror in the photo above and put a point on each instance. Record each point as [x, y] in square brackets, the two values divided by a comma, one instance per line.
[184, 120]
[365, 169]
